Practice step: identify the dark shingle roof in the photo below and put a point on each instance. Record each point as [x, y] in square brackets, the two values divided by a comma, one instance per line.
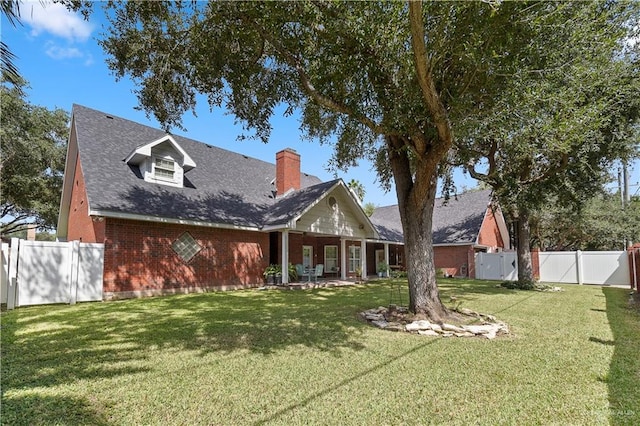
[454, 222]
[225, 187]
[286, 208]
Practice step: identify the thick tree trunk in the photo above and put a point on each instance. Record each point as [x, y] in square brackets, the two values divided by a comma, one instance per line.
[525, 265]
[416, 196]
[424, 297]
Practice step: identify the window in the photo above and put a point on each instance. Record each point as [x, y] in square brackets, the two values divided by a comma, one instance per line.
[186, 247]
[164, 168]
[307, 256]
[330, 258]
[354, 258]
[332, 202]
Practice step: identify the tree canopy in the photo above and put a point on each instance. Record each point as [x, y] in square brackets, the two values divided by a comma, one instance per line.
[553, 131]
[32, 158]
[390, 80]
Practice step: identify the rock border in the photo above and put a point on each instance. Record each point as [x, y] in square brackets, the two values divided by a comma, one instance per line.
[391, 319]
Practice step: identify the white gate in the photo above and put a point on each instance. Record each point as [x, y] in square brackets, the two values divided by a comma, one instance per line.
[497, 266]
[42, 272]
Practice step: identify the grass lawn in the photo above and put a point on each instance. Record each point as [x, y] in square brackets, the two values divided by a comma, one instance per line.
[304, 357]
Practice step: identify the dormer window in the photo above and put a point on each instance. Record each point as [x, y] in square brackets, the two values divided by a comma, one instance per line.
[164, 169]
[162, 161]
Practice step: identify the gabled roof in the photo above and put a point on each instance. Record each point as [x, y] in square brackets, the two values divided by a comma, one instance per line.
[293, 205]
[226, 188]
[144, 151]
[457, 221]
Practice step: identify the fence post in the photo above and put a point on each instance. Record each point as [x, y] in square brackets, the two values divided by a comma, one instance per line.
[12, 284]
[74, 246]
[579, 267]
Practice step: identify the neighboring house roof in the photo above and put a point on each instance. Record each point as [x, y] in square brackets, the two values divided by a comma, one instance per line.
[456, 221]
[225, 188]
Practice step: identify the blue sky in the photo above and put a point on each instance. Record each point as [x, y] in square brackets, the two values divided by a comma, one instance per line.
[59, 56]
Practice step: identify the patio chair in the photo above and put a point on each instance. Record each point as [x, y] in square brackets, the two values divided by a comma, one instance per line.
[300, 271]
[318, 272]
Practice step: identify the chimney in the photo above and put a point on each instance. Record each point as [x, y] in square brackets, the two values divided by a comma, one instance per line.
[31, 232]
[287, 171]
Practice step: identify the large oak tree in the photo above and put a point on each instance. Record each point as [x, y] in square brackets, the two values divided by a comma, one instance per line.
[388, 79]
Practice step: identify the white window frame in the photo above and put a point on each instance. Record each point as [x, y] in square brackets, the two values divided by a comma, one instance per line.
[355, 258]
[333, 266]
[155, 167]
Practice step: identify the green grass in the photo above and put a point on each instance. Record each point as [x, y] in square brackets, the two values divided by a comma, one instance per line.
[304, 357]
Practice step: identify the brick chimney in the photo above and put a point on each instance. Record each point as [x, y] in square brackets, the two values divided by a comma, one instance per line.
[287, 171]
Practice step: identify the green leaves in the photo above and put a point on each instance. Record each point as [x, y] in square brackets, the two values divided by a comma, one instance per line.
[32, 161]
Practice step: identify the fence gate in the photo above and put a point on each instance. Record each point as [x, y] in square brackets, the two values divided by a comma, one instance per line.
[497, 266]
[42, 272]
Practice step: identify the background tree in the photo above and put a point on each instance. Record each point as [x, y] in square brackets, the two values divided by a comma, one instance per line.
[556, 127]
[357, 188]
[601, 224]
[31, 161]
[387, 78]
[369, 208]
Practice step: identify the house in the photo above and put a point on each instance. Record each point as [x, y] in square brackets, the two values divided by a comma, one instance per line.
[177, 215]
[462, 226]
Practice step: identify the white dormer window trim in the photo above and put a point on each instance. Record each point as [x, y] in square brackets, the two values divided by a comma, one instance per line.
[164, 168]
[158, 165]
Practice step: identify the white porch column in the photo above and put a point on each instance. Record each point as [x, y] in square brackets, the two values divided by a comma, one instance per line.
[285, 256]
[386, 258]
[363, 260]
[343, 259]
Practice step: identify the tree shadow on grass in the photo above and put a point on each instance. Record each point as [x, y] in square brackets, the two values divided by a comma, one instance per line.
[48, 346]
[623, 379]
[36, 409]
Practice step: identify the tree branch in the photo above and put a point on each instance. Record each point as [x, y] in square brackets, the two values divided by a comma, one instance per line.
[425, 79]
[564, 161]
[311, 91]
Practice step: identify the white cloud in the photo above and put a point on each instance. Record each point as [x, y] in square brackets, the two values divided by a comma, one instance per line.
[57, 52]
[55, 19]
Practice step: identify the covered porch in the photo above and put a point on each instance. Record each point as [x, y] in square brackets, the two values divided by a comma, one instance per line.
[331, 231]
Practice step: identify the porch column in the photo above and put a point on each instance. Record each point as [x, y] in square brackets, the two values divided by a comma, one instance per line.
[386, 257]
[343, 259]
[285, 256]
[363, 260]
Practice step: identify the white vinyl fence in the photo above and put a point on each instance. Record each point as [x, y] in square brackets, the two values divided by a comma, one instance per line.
[575, 267]
[585, 267]
[42, 272]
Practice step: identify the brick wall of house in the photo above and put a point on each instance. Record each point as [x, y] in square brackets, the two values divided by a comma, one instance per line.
[81, 226]
[139, 258]
[489, 232]
[455, 260]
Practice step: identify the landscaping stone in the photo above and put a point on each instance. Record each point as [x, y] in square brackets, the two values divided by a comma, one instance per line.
[418, 325]
[453, 328]
[428, 333]
[374, 317]
[380, 323]
[396, 319]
